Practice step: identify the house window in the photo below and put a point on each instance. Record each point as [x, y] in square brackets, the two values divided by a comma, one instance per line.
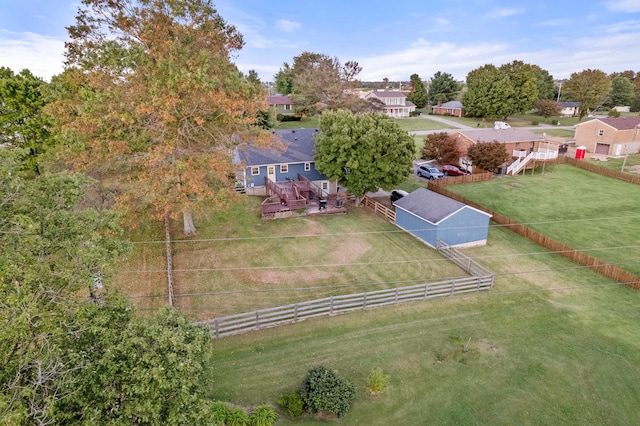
[307, 167]
[255, 171]
[600, 132]
[287, 107]
[284, 168]
[325, 186]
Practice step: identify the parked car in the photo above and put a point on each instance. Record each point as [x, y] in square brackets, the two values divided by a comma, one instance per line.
[396, 194]
[451, 170]
[429, 172]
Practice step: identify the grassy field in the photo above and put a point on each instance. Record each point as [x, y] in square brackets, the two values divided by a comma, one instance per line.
[550, 344]
[616, 163]
[239, 263]
[593, 213]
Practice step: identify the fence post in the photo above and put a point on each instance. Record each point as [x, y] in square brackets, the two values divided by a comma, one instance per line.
[216, 328]
[397, 294]
[426, 290]
[331, 306]
[169, 259]
[258, 319]
[364, 301]
[295, 312]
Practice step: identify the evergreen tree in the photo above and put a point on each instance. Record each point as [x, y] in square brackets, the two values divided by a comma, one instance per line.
[418, 93]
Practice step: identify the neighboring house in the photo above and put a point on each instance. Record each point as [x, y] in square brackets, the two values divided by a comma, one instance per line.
[281, 105]
[395, 105]
[430, 217]
[569, 109]
[610, 136]
[522, 144]
[453, 108]
[281, 166]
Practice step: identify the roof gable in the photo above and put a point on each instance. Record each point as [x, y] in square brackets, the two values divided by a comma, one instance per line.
[300, 148]
[621, 123]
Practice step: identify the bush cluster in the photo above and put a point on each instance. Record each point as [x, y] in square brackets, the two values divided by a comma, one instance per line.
[323, 391]
[222, 414]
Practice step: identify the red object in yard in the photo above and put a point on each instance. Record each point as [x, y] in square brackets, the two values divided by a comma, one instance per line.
[580, 152]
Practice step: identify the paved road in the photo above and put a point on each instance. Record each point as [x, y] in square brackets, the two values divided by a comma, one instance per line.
[457, 126]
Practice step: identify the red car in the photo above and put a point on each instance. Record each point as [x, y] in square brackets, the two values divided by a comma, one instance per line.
[450, 170]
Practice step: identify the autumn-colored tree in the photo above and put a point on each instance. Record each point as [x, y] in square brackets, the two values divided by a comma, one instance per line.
[488, 155]
[441, 147]
[589, 87]
[547, 108]
[321, 82]
[149, 86]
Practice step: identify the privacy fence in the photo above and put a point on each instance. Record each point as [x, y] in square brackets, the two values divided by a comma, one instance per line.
[606, 269]
[281, 315]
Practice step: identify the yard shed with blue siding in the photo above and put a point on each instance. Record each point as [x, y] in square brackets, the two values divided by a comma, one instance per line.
[430, 217]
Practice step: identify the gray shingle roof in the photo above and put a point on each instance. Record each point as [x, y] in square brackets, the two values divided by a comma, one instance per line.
[300, 148]
[451, 104]
[429, 205]
[279, 100]
[501, 135]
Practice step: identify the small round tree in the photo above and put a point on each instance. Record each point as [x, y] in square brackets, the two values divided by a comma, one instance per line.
[323, 391]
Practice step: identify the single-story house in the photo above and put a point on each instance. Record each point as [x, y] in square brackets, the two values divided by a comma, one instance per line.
[453, 108]
[281, 166]
[610, 136]
[520, 143]
[282, 105]
[430, 217]
[569, 109]
[395, 103]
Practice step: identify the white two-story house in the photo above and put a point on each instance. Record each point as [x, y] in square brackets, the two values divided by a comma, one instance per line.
[395, 105]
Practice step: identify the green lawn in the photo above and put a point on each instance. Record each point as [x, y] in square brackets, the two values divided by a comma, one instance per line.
[415, 124]
[239, 262]
[617, 163]
[556, 346]
[587, 211]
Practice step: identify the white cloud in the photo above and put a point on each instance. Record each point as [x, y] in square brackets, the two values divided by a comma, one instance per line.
[43, 56]
[287, 26]
[629, 6]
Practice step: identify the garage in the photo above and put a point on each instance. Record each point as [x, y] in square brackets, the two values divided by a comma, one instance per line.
[602, 148]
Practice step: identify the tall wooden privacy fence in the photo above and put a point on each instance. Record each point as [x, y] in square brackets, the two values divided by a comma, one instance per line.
[271, 317]
[588, 165]
[606, 269]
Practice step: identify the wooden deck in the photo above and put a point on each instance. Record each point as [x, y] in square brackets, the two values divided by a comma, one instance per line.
[299, 198]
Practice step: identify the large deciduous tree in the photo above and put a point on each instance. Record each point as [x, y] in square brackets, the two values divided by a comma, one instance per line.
[544, 81]
[547, 108]
[418, 94]
[488, 155]
[500, 92]
[622, 92]
[363, 152]
[321, 82]
[589, 87]
[53, 251]
[443, 87]
[149, 86]
[23, 122]
[441, 147]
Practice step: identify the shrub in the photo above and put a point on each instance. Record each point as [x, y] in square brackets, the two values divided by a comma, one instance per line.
[237, 417]
[554, 122]
[614, 113]
[534, 122]
[291, 403]
[219, 412]
[263, 415]
[323, 391]
[377, 381]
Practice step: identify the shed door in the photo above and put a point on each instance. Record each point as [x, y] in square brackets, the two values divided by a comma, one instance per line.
[602, 148]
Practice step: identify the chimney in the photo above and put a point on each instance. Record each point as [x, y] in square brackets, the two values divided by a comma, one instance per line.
[439, 102]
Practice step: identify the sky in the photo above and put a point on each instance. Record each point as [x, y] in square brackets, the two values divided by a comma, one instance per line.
[389, 39]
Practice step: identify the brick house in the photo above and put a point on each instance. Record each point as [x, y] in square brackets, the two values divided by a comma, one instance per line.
[453, 108]
[523, 145]
[610, 136]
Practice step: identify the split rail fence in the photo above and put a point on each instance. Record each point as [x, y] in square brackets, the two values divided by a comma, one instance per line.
[271, 317]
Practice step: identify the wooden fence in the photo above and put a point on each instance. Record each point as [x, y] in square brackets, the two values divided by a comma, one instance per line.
[380, 209]
[601, 267]
[588, 165]
[469, 265]
[271, 317]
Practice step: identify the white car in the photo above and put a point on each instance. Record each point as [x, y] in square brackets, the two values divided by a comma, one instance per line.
[501, 125]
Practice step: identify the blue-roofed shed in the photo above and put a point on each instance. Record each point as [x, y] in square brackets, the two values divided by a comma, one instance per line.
[430, 217]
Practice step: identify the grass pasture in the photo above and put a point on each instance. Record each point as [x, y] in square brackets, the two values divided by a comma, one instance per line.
[587, 211]
[548, 345]
[239, 263]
